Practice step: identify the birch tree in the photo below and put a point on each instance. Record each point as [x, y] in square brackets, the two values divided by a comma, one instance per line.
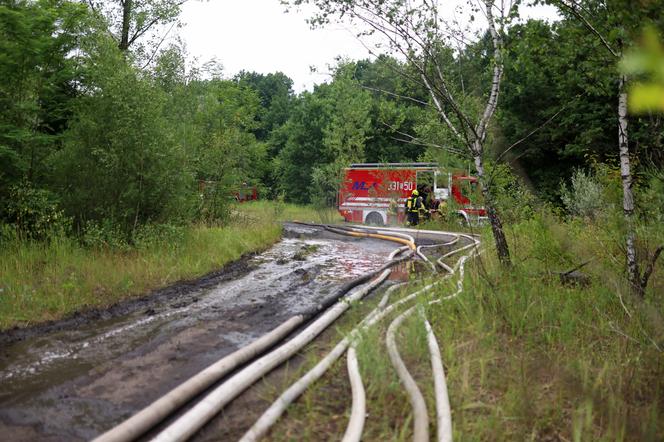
[131, 21]
[613, 37]
[418, 32]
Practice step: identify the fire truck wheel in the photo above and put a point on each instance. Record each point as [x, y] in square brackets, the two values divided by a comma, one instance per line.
[374, 219]
[461, 220]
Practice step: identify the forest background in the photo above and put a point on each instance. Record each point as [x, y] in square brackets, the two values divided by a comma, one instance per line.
[103, 130]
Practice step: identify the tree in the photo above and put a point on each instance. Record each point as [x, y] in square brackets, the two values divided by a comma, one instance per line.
[303, 148]
[614, 24]
[556, 100]
[345, 134]
[130, 21]
[275, 92]
[419, 34]
[39, 77]
[393, 115]
[120, 162]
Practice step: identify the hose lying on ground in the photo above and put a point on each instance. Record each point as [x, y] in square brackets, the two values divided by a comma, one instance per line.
[154, 413]
[356, 423]
[272, 414]
[420, 414]
[443, 410]
[190, 422]
[185, 426]
[150, 416]
[278, 407]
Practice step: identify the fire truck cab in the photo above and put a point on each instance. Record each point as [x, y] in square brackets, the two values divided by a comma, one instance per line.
[375, 193]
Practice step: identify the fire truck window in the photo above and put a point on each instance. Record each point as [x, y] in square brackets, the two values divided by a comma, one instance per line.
[442, 180]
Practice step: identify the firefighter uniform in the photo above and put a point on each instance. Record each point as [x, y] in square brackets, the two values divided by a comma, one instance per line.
[413, 205]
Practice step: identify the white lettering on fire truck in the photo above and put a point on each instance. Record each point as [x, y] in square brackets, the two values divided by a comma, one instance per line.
[400, 185]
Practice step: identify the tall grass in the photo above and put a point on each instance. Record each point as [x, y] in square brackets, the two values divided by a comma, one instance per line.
[41, 281]
[531, 357]
[527, 356]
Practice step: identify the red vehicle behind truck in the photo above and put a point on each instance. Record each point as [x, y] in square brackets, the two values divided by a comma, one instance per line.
[374, 193]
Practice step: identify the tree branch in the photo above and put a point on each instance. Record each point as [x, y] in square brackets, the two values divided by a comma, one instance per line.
[649, 269]
[572, 8]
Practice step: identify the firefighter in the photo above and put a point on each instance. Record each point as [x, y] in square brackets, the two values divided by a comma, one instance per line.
[413, 205]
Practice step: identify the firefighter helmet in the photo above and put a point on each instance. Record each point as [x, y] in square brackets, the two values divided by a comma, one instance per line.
[415, 192]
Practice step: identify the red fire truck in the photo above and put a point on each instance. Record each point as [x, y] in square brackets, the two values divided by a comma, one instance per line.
[375, 193]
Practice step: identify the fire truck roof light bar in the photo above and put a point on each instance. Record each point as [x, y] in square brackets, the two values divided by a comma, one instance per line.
[392, 165]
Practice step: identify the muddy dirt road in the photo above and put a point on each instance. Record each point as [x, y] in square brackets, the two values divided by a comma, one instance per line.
[74, 380]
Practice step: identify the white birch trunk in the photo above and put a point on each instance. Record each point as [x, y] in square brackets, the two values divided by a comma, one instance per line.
[628, 197]
[502, 248]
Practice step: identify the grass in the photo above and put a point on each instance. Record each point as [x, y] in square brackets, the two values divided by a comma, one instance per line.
[526, 356]
[47, 281]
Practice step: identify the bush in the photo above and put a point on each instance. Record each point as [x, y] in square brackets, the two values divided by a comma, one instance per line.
[214, 203]
[326, 181]
[35, 213]
[513, 200]
[167, 236]
[651, 199]
[120, 161]
[104, 235]
[585, 197]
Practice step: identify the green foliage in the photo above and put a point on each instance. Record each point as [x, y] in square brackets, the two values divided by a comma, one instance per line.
[584, 197]
[38, 72]
[35, 214]
[159, 236]
[647, 60]
[275, 92]
[303, 149]
[214, 203]
[512, 198]
[104, 235]
[120, 147]
[552, 358]
[120, 161]
[555, 74]
[137, 25]
[651, 198]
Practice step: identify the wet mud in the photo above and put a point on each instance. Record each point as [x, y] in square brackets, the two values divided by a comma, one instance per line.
[74, 379]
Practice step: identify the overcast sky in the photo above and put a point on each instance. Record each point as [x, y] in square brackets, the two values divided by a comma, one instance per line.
[257, 35]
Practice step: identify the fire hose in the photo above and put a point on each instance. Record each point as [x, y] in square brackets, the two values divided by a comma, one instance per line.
[354, 429]
[154, 413]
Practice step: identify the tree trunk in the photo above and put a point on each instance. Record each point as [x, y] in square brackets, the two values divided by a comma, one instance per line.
[126, 15]
[628, 198]
[477, 149]
[502, 249]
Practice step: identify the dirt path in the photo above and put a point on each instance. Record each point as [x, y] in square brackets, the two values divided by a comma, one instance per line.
[74, 379]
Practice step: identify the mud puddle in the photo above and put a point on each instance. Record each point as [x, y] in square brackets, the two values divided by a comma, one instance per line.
[74, 383]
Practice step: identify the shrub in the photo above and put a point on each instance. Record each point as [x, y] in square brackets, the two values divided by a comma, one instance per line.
[651, 199]
[214, 203]
[513, 200]
[120, 160]
[35, 213]
[585, 196]
[158, 235]
[104, 235]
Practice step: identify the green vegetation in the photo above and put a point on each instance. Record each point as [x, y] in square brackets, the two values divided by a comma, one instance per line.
[528, 354]
[113, 130]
